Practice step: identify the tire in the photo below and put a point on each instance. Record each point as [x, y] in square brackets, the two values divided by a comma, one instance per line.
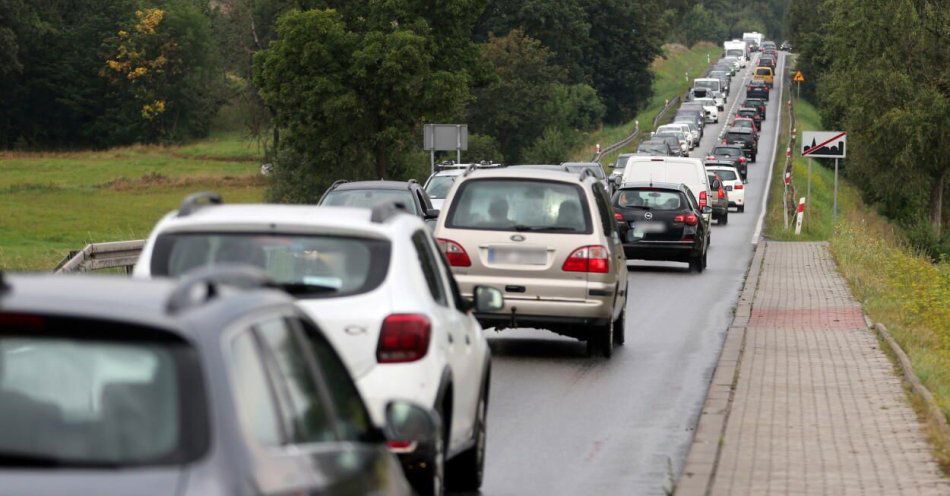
[740, 208]
[430, 481]
[724, 218]
[620, 328]
[607, 340]
[698, 263]
[467, 470]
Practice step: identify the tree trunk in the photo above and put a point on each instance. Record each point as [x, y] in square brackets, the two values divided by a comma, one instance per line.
[936, 203]
[381, 163]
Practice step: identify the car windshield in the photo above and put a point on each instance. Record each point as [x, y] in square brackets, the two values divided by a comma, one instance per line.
[725, 174]
[651, 198]
[439, 186]
[727, 152]
[369, 198]
[710, 85]
[520, 205]
[621, 161]
[304, 264]
[85, 400]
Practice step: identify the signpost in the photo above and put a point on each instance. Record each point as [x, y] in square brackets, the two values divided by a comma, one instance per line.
[799, 77]
[825, 144]
[444, 137]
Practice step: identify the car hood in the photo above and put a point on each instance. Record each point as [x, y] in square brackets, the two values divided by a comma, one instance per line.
[55, 482]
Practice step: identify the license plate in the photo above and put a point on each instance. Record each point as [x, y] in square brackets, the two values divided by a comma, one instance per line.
[728, 188]
[509, 256]
[647, 227]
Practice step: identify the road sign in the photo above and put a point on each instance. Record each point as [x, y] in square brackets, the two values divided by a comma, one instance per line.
[798, 76]
[824, 144]
[445, 137]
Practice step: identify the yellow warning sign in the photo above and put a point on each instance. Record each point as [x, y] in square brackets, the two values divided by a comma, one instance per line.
[798, 76]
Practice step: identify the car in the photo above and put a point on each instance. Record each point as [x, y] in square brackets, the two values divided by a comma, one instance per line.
[706, 105]
[616, 169]
[696, 116]
[683, 128]
[709, 87]
[662, 221]
[764, 73]
[695, 130]
[595, 169]
[445, 173]
[732, 181]
[734, 154]
[677, 142]
[369, 194]
[723, 76]
[719, 201]
[750, 113]
[757, 89]
[211, 385]
[745, 138]
[748, 123]
[786, 46]
[654, 148]
[375, 282]
[689, 171]
[547, 238]
[757, 103]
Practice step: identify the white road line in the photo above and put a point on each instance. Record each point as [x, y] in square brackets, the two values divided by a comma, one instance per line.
[778, 125]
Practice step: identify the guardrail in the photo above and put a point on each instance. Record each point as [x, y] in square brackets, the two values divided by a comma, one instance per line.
[99, 256]
[618, 145]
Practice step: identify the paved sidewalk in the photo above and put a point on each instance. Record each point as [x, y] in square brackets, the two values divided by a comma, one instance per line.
[817, 408]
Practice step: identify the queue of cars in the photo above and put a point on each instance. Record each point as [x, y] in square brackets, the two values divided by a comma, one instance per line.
[338, 348]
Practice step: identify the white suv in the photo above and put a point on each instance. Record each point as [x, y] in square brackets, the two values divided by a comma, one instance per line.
[376, 283]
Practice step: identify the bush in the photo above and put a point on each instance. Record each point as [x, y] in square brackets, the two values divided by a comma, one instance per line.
[552, 147]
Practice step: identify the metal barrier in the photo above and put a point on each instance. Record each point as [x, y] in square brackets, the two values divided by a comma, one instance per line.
[98, 256]
[618, 145]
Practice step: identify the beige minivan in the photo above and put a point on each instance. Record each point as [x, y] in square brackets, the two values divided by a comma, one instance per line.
[548, 239]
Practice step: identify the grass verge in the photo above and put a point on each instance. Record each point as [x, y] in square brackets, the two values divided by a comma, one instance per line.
[670, 81]
[896, 285]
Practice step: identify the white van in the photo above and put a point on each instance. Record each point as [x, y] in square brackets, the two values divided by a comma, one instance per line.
[709, 87]
[689, 171]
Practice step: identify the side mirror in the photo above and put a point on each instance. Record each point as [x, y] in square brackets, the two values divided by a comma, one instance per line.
[707, 209]
[488, 299]
[410, 423]
[432, 213]
[617, 180]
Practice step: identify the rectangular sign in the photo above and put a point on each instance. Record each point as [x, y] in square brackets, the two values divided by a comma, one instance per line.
[445, 137]
[824, 144]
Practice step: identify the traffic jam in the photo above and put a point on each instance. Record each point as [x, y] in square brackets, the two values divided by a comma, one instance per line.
[346, 347]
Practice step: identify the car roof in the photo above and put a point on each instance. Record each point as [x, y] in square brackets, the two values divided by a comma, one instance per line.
[542, 172]
[737, 147]
[657, 184]
[580, 164]
[382, 184]
[144, 302]
[739, 130]
[721, 165]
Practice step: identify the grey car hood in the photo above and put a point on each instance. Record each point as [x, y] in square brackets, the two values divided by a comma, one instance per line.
[55, 482]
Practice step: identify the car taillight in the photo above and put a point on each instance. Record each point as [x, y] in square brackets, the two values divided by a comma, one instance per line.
[702, 199]
[688, 219]
[724, 142]
[588, 259]
[403, 338]
[454, 253]
[738, 186]
[618, 216]
[710, 157]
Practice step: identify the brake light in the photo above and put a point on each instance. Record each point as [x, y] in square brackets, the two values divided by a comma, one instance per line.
[403, 338]
[401, 446]
[688, 219]
[738, 186]
[710, 157]
[588, 259]
[618, 216]
[454, 253]
[703, 199]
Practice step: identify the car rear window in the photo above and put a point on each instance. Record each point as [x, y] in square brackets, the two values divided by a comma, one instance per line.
[306, 265]
[520, 205]
[439, 186]
[76, 393]
[369, 198]
[725, 174]
[712, 85]
[729, 152]
[763, 72]
[654, 199]
[732, 136]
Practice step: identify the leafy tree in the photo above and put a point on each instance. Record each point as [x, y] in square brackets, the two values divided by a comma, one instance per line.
[700, 24]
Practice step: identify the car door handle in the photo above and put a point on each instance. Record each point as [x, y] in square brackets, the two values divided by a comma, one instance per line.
[515, 289]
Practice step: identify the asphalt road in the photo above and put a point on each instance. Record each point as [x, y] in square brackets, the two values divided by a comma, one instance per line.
[563, 424]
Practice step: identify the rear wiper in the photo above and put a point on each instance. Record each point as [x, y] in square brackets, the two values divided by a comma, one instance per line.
[302, 288]
[523, 228]
[14, 459]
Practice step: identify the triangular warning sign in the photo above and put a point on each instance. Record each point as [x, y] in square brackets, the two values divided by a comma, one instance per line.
[798, 76]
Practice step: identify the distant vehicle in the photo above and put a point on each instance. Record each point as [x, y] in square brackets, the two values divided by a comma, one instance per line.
[751, 113]
[718, 201]
[733, 182]
[714, 89]
[764, 74]
[757, 89]
[755, 37]
[370, 194]
[723, 76]
[681, 127]
[616, 169]
[695, 129]
[743, 137]
[654, 148]
[662, 221]
[206, 386]
[676, 142]
[707, 106]
[746, 122]
[438, 184]
[785, 46]
[758, 103]
[733, 154]
[595, 168]
[548, 239]
[767, 59]
[737, 48]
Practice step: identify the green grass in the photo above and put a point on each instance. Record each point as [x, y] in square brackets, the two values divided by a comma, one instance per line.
[56, 202]
[670, 81]
[897, 286]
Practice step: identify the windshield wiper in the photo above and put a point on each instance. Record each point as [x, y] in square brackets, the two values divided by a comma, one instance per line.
[523, 228]
[14, 459]
[296, 288]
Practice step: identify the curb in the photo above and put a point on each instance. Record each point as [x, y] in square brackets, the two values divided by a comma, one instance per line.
[703, 458]
[936, 416]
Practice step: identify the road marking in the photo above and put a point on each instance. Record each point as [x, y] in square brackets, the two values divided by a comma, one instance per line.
[768, 182]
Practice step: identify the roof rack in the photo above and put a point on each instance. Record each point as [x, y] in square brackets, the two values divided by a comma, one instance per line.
[386, 211]
[185, 296]
[192, 202]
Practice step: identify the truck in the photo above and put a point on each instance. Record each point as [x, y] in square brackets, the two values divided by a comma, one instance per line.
[737, 48]
[755, 39]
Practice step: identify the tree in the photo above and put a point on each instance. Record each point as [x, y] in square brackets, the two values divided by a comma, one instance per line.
[700, 24]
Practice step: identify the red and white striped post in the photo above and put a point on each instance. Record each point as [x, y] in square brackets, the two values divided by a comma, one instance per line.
[799, 215]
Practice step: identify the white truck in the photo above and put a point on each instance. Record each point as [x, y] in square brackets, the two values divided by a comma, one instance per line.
[754, 37]
[737, 48]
